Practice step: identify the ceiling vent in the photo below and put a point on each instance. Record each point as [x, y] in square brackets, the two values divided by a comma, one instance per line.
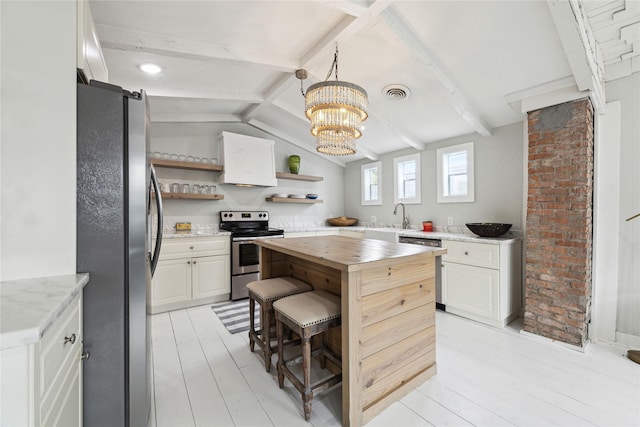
[396, 92]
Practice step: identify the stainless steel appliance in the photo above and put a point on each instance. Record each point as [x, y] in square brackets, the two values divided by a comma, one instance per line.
[246, 227]
[114, 177]
[434, 243]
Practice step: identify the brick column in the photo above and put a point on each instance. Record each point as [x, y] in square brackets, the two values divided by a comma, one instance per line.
[559, 222]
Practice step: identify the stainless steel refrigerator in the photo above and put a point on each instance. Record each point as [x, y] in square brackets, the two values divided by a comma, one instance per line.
[114, 211]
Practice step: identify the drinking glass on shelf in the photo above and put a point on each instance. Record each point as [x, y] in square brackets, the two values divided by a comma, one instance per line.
[195, 189]
[196, 159]
[205, 160]
[214, 161]
[174, 157]
[156, 155]
[185, 188]
[182, 157]
[189, 158]
[213, 189]
[204, 189]
[166, 156]
[175, 187]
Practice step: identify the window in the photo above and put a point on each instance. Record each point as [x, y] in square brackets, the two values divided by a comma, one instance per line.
[406, 179]
[371, 183]
[455, 174]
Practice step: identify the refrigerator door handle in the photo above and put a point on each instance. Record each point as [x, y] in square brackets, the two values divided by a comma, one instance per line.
[156, 250]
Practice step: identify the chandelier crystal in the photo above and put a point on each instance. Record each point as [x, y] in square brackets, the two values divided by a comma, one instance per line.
[336, 110]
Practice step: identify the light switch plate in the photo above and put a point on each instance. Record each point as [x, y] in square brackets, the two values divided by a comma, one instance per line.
[374, 218]
[449, 220]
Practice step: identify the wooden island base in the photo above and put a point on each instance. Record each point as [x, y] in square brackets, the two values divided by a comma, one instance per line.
[387, 337]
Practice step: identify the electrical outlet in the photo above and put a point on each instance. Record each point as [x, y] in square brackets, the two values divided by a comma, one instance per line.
[374, 218]
[449, 220]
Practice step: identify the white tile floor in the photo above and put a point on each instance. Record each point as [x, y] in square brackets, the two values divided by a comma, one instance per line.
[204, 376]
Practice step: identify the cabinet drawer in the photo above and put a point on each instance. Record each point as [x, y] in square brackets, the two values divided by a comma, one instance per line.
[57, 353]
[478, 254]
[190, 247]
[473, 292]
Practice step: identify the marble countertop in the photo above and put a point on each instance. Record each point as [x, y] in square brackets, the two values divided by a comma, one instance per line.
[377, 232]
[197, 234]
[28, 307]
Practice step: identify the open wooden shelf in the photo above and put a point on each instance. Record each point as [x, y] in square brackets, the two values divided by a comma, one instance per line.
[296, 177]
[291, 200]
[192, 196]
[176, 164]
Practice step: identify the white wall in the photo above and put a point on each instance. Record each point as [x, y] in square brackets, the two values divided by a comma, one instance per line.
[201, 139]
[498, 184]
[38, 138]
[627, 91]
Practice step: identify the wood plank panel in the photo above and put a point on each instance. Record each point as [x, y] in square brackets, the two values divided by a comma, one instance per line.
[383, 334]
[397, 274]
[397, 394]
[382, 305]
[351, 350]
[388, 384]
[321, 278]
[386, 362]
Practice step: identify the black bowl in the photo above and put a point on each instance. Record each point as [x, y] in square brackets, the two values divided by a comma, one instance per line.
[488, 229]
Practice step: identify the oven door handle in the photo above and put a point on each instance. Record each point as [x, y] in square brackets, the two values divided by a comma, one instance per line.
[251, 239]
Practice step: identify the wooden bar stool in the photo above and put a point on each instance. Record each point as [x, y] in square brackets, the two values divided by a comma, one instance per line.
[307, 314]
[265, 292]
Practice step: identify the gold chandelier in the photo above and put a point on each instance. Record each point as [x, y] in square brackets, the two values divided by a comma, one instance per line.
[336, 111]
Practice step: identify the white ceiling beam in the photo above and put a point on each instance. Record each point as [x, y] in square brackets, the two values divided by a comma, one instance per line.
[137, 41]
[402, 34]
[580, 48]
[394, 129]
[543, 95]
[290, 139]
[348, 7]
[271, 95]
[194, 118]
[344, 30]
[179, 95]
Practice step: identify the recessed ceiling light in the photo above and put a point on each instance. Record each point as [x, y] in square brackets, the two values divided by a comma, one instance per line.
[150, 68]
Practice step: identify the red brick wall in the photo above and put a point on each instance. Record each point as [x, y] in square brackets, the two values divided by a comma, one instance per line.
[559, 222]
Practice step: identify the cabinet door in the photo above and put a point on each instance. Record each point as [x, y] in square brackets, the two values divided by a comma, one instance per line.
[69, 412]
[171, 282]
[472, 290]
[211, 276]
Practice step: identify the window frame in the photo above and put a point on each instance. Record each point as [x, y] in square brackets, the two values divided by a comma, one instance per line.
[363, 169]
[418, 186]
[441, 182]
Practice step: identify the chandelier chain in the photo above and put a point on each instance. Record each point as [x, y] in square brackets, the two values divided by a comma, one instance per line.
[334, 65]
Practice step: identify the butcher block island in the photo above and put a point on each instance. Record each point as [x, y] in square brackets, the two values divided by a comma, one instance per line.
[387, 337]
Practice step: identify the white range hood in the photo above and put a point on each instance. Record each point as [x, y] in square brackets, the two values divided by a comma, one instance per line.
[247, 160]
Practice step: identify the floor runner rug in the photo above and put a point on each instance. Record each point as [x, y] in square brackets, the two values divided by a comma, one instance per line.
[234, 315]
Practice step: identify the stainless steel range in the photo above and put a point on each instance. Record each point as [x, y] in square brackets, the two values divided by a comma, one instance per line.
[246, 227]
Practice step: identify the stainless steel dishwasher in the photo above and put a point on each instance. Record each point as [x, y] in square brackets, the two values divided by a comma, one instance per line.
[434, 243]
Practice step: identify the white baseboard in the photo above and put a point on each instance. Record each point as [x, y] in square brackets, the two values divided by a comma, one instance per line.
[556, 342]
[628, 340]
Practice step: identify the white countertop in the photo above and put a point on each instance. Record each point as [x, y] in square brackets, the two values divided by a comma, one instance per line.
[28, 307]
[378, 232]
[197, 234]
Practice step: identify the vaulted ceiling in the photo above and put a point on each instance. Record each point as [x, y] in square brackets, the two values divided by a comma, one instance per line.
[463, 65]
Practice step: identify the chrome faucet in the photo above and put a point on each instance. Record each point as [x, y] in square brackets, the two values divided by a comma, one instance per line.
[405, 220]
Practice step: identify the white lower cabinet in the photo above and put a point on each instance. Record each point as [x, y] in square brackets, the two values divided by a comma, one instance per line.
[42, 382]
[191, 271]
[482, 281]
